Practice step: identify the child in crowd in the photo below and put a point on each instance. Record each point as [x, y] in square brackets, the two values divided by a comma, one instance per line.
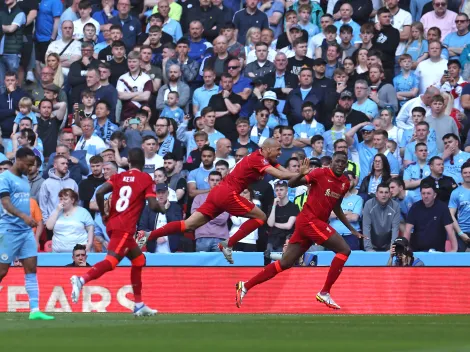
[366, 35]
[305, 14]
[406, 83]
[84, 9]
[171, 109]
[201, 138]
[330, 39]
[89, 33]
[87, 108]
[25, 106]
[417, 45]
[392, 146]
[346, 35]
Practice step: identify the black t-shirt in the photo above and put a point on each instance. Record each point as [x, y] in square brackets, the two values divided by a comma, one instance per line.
[282, 40]
[251, 146]
[72, 265]
[117, 70]
[277, 236]
[264, 193]
[444, 187]
[105, 54]
[27, 6]
[294, 65]
[226, 124]
[48, 131]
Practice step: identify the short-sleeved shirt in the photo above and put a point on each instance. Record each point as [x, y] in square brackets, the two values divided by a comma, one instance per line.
[277, 236]
[48, 9]
[325, 191]
[71, 230]
[353, 204]
[244, 21]
[417, 49]
[200, 177]
[127, 83]
[453, 166]
[415, 172]
[460, 200]
[248, 170]
[369, 107]
[17, 188]
[410, 151]
[130, 189]
[429, 226]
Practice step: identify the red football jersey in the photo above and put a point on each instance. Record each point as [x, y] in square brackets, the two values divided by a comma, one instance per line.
[248, 170]
[326, 189]
[130, 189]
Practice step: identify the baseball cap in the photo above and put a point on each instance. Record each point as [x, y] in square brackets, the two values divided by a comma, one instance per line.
[368, 128]
[52, 87]
[346, 94]
[318, 62]
[161, 187]
[295, 26]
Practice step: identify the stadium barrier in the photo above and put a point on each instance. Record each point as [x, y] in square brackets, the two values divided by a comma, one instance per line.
[211, 290]
[357, 258]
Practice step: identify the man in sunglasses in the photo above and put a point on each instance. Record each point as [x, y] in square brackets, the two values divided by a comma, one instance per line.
[441, 17]
[79, 256]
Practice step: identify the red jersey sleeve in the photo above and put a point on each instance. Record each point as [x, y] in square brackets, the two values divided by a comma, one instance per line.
[259, 163]
[112, 180]
[312, 175]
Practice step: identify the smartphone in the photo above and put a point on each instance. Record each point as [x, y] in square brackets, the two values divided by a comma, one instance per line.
[81, 107]
[446, 72]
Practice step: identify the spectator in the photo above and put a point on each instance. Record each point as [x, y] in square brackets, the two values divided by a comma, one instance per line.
[260, 131]
[441, 17]
[234, 48]
[84, 9]
[209, 235]
[197, 179]
[70, 223]
[455, 41]
[406, 83]
[222, 167]
[363, 103]
[404, 118]
[431, 222]
[106, 93]
[453, 157]
[89, 141]
[361, 10]
[79, 256]
[281, 217]
[152, 160]
[210, 16]
[404, 198]
[431, 70]
[380, 143]
[151, 220]
[383, 94]
[131, 27]
[352, 208]
[379, 173]
[261, 66]
[249, 17]
[46, 27]
[444, 185]
[188, 66]
[202, 95]
[223, 151]
[381, 220]
[48, 127]
[326, 20]
[287, 145]
[67, 139]
[35, 179]
[218, 62]
[176, 180]
[439, 122]
[47, 78]
[418, 169]
[166, 142]
[244, 139]
[88, 186]
[174, 84]
[198, 45]
[24, 123]
[346, 12]
[9, 100]
[105, 54]
[153, 71]
[338, 131]
[421, 136]
[170, 25]
[49, 192]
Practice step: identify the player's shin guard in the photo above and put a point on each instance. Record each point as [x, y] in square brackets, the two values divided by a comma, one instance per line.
[268, 273]
[335, 271]
[99, 269]
[136, 277]
[31, 284]
[244, 230]
[172, 227]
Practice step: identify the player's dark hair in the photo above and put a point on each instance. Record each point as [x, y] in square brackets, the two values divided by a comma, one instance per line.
[398, 180]
[23, 153]
[207, 148]
[222, 163]
[137, 158]
[215, 173]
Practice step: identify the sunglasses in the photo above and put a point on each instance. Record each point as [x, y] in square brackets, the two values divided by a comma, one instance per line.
[233, 67]
[460, 21]
[366, 132]
[440, 4]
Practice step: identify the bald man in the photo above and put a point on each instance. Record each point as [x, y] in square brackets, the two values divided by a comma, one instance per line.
[226, 198]
[223, 150]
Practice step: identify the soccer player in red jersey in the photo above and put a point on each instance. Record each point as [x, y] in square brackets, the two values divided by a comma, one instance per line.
[327, 189]
[226, 198]
[129, 190]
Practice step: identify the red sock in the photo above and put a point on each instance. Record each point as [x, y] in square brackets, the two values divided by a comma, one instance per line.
[268, 273]
[168, 229]
[244, 230]
[136, 280]
[98, 270]
[335, 271]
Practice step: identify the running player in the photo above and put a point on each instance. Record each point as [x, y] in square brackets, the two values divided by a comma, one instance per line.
[328, 187]
[130, 190]
[16, 236]
[226, 198]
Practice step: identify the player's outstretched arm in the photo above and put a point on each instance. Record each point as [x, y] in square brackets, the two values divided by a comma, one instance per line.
[279, 172]
[341, 217]
[104, 189]
[299, 179]
[8, 207]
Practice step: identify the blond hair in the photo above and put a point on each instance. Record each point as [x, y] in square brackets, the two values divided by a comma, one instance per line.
[25, 102]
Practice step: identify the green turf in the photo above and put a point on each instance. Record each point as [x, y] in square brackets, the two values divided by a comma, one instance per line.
[241, 333]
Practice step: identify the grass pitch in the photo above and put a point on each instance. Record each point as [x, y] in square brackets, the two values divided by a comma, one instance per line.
[105, 332]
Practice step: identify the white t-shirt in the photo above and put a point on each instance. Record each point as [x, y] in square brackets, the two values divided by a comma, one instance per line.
[164, 247]
[78, 26]
[93, 146]
[73, 49]
[151, 164]
[430, 73]
[71, 230]
[136, 84]
[315, 42]
[231, 161]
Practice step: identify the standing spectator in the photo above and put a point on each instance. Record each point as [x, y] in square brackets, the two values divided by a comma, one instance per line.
[66, 47]
[406, 83]
[170, 26]
[209, 235]
[202, 95]
[46, 27]
[404, 198]
[150, 220]
[346, 12]
[197, 179]
[242, 86]
[91, 143]
[188, 66]
[441, 17]
[153, 161]
[287, 145]
[441, 123]
[249, 17]
[300, 59]
[421, 135]
[35, 179]
[105, 93]
[153, 71]
[243, 144]
[198, 45]
[105, 54]
[57, 181]
[218, 62]
[166, 142]
[79, 257]
[401, 21]
[316, 41]
[176, 179]
[210, 16]
[70, 224]
[131, 27]
[382, 93]
[234, 48]
[84, 9]
[431, 222]
[88, 186]
[456, 41]
[361, 10]
[134, 88]
[352, 208]
[118, 63]
[430, 71]
[27, 62]
[363, 103]
[103, 127]
[458, 206]
[417, 171]
[261, 66]
[9, 100]
[103, 16]
[175, 83]
[48, 127]
[13, 20]
[70, 14]
[281, 218]
[444, 185]
[381, 220]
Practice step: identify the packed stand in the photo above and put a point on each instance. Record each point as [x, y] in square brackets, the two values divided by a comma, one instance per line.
[200, 84]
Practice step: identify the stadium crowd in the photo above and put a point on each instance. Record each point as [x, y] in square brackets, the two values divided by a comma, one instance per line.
[199, 84]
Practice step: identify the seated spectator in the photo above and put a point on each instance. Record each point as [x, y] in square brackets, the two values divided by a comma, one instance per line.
[90, 142]
[441, 123]
[292, 165]
[79, 256]
[88, 186]
[421, 135]
[379, 173]
[453, 157]
[152, 160]
[26, 139]
[347, 45]
[429, 223]
[174, 84]
[49, 192]
[247, 244]
[281, 217]
[363, 103]
[309, 127]
[382, 93]
[35, 178]
[197, 179]
[380, 143]
[103, 91]
[260, 131]
[406, 83]
[209, 235]
[70, 223]
[416, 171]
[223, 152]
[203, 94]
[150, 220]
[244, 139]
[381, 220]
[352, 207]
[165, 140]
[104, 128]
[287, 144]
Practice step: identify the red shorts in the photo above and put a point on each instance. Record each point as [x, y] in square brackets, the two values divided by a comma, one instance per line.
[222, 199]
[121, 243]
[309, 231]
